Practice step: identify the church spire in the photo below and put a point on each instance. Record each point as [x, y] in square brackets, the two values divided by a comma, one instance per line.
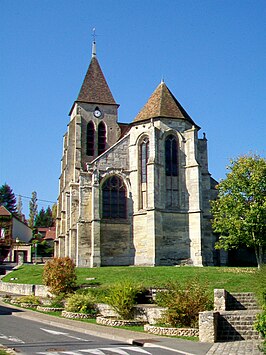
[94, 88]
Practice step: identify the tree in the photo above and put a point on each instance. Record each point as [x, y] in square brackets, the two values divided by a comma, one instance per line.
[19, 206]
[8, 199]
[40, 220]
[44, 218]
[239, 213]
[33, 207]
[54, 212]
[49, 217]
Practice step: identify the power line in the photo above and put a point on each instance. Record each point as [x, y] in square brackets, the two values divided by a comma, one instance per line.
[38, 199]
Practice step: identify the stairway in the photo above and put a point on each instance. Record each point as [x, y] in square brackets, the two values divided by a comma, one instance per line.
[241, 301]
[236, 323]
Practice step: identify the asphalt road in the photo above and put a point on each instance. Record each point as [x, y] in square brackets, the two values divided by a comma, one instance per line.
[31, 337]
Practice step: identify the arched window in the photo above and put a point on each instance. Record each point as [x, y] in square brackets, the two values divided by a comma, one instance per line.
[114, 198]
[90, 138]
[171, 156]
[101, 138]
[171, 171]
[144, 157]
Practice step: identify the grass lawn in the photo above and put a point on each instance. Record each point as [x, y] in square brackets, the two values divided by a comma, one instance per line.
[233, 279]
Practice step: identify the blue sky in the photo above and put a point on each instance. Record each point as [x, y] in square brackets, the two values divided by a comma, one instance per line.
[211, 54]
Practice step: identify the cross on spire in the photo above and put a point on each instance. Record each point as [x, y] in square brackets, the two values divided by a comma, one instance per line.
[94, 42]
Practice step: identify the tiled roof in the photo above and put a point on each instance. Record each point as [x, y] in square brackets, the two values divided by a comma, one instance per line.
[50, 234]
[124, 128]
[162, 103]
[95, 88]
[4, 211]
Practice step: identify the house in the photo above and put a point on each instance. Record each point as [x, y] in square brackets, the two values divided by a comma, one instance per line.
[14, 238]
[137, 193]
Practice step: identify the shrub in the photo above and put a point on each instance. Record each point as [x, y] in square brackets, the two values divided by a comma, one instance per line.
[122, 297]
[79, 303]
[183, 303]
[261, 285]
[30, 299]
[58, 301]
[260, 324]
[98, 293]
[59, 275]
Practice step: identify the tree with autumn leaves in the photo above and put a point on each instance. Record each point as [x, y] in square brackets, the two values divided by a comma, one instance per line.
[239, 213]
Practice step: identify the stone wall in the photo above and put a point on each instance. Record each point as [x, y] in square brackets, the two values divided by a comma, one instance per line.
[24, 289]
[185, 332]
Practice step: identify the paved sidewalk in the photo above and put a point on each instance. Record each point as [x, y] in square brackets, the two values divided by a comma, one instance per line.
[244, 347]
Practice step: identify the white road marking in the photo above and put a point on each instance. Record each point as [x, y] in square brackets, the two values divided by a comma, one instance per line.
[10, 338]
[116, 351]
[137, 349]
[54, 332]
[93, 351]
[100, 351]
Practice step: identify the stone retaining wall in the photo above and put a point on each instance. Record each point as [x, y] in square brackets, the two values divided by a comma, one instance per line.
[148, 313]
[74, 315]
[114, 322]
[24, 289]
[186, 332]
[49, 309]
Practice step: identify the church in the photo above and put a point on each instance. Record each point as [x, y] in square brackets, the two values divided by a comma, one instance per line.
[133, 193]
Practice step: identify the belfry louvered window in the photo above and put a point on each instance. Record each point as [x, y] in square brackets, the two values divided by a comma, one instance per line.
[171, 171]
[101, 138]
[114, 202]
[90, 138]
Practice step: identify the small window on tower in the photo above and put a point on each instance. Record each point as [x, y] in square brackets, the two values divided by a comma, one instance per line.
[90, 138]
[101, 138]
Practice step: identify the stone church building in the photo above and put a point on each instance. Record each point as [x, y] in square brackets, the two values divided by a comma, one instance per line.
[137, 193]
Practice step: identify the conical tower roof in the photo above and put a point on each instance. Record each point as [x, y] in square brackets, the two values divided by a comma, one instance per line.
[95, 88]
[162, 103]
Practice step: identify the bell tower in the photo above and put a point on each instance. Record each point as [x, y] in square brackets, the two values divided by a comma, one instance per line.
[92, 129]
[97, 109]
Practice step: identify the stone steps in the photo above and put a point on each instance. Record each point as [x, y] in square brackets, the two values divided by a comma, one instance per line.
[237, 325]
[241, 301]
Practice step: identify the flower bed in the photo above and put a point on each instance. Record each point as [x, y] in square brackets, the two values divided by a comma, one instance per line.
[114, 322]
[49, 309]
[74, 315]
[186, 332]
[22, 304]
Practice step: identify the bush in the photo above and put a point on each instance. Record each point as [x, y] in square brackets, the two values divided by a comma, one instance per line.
[30, 299]
[79, 303]
[59, 275]
[57, 302]
[122, 297]
[183, 303]
[261, 285]
[98, 293]
[260, 324]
